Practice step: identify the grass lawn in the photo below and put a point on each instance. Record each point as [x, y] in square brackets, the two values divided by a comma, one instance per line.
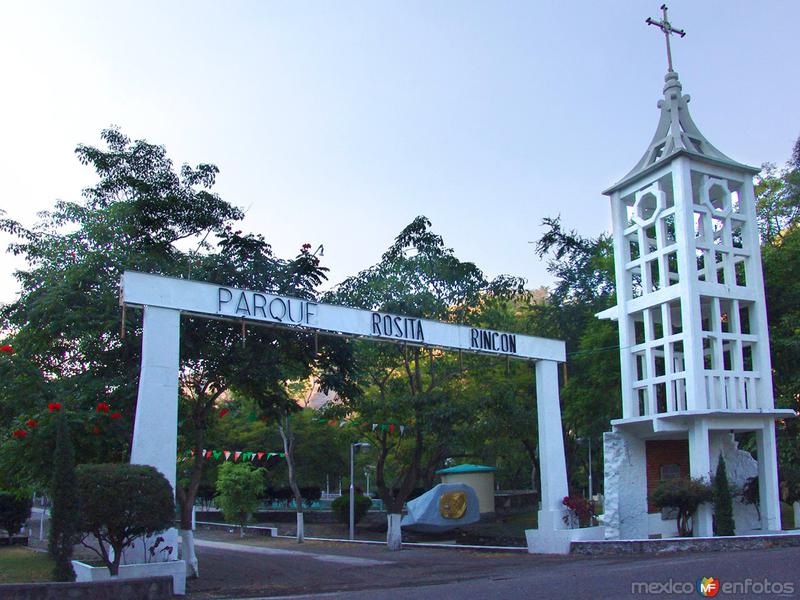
[19, 564]
[508, 530]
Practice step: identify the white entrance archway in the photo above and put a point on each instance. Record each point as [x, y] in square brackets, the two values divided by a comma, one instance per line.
[165, 298]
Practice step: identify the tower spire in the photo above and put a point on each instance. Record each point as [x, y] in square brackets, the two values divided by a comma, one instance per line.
[665, 26]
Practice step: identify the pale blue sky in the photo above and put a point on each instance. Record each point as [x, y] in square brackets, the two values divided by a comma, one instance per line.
[339, 122]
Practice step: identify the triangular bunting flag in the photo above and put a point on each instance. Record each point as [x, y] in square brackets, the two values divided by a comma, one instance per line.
[374, 425]
[391, 428]
[227, 454]
[260, 455]
[216, 453]
[402, 429]
[236, 456]
[342, 423]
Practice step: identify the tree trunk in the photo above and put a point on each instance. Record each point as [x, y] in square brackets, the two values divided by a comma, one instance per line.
[300, 527]
[394, 535]
[186, 497]
[187, 543]
[285, 429]
[113, 568]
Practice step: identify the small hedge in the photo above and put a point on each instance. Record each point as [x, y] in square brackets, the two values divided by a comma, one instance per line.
[684, 494]
[121, 502]
[341, 508]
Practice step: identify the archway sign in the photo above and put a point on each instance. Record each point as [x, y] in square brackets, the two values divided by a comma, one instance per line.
[165, 298]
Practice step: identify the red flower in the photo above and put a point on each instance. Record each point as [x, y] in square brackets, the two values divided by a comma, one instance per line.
[54, 406]
[103, 407]
[116, 415]
[224, 412]
[20, 433]
[6, 348]
[31, 423]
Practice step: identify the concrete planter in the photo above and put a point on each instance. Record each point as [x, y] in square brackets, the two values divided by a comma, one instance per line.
[174, 568]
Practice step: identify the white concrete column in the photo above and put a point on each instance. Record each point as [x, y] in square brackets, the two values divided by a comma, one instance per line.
[621, 253]
[552, 464]
[689, 286]
[155, 430]
[700, 466]
[768, 477]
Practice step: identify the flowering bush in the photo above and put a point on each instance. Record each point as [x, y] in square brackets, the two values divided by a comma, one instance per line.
[581, 511]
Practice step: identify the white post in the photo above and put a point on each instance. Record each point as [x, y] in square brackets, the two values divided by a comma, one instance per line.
[155, 432]
[352, 496]
[700, 466]
[768, 478]
[552, 464]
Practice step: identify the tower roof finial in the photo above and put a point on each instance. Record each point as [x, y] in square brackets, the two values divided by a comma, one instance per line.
[665, 26]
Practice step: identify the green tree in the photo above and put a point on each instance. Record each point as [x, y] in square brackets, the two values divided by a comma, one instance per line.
[723, 501]
[778, 209]
[684, 494]
[71, 341]
[584, 272]
[418, 276]
[65, 512]
[120, 503]
[239, 487]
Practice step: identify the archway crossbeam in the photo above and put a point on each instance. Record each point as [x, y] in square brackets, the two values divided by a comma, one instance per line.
[217, 301]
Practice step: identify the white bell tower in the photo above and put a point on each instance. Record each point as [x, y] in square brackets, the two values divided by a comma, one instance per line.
[694, 343]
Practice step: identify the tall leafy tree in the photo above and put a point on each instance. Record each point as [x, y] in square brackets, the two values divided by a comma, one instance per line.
[778, 209]
[74, 346]
[584, 272]
[418, 276]
[65, 513]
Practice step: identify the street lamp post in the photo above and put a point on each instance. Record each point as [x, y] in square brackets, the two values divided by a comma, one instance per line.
[353, 446]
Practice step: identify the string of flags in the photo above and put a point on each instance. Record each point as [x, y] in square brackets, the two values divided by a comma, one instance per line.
[237, 455]
[390, 427]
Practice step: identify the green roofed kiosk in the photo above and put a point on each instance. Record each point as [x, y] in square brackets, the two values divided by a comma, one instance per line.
[479, 477]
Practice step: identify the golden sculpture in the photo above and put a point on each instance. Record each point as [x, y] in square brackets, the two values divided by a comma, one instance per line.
[453, 505]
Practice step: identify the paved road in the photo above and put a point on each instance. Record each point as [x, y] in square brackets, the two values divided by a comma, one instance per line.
[342, 571]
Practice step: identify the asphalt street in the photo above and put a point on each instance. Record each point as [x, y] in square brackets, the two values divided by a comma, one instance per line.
[283, 569]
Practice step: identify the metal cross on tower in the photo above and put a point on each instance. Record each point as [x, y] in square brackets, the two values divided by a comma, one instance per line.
[668, 29]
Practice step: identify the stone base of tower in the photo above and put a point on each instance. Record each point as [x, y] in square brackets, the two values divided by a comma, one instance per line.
[640, 453]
